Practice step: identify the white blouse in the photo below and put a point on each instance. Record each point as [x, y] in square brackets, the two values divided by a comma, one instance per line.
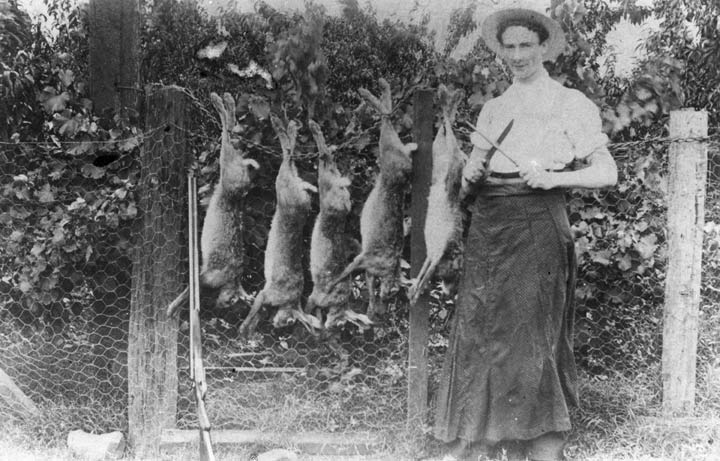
[553, 125]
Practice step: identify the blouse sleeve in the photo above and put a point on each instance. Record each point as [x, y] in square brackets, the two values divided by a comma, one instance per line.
[584, 128]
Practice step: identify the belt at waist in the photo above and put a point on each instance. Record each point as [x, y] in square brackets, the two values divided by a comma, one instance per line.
[513, 174]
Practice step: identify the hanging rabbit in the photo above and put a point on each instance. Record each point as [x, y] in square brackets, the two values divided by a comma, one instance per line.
[221, 241]
[331, 244]
[443, 221]
[381, 220]
[284, 278]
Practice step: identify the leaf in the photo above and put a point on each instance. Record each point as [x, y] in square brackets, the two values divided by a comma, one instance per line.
[16, 235]
[45, 195]
[58, 236]
[25, 286]
[37, 249]
[646, 246]
[128, 144]
[259, 106]
[77, 204]
[601, 257]
[625, 263]
[130, 211]
[67, 77]
[56, 103]
[212, 51]
[362, 142]
[479, 99]
[92, 171]
[252, 70]
[71, 126]
[82, 148]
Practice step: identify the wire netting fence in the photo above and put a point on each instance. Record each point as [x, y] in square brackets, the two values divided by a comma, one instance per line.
[70, 354]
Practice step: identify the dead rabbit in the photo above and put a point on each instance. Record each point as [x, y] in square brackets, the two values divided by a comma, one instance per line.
[381, 219]
[443, 221]
[331, 244]
[221, 240]
[284, 278]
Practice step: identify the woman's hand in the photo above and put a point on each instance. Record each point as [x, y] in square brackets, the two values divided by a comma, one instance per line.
[535, 176]
[474, 170]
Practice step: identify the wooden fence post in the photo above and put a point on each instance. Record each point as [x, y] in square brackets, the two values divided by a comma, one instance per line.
[419, 314]
[114, 54]
[159, 273]
[686, 218]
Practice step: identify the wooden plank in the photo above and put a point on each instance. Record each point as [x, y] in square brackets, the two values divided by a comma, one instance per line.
[686, 217]
[419, 314]
[159, 272]
[259, 369]
[311, 443]
[15, 398]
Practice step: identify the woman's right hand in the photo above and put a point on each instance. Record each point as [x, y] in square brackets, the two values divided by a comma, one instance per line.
[474, 170]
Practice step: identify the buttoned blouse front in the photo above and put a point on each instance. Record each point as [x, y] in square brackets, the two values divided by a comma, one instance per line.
[553, 125]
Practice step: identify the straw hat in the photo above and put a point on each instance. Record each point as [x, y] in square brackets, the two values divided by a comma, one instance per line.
[556, 36]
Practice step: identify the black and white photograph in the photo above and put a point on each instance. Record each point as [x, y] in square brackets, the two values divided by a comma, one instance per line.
[360, 230]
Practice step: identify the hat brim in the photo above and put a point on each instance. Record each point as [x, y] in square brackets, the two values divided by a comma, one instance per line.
[556, 36]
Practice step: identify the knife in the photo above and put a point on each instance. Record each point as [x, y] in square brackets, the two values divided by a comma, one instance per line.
[496, 144]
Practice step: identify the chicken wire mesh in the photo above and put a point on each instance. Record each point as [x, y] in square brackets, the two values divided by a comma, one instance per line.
[70, 354]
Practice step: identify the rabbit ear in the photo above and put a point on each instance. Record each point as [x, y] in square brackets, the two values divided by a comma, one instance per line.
[292, 131]
[442, 94]
[319, 139]
[455, 99]
[371, 99]
[287, 134]
[279, 128]
[385, 97]
[218, 103]
[230, 110]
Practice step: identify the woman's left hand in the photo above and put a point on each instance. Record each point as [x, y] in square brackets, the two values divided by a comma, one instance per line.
[536, 177]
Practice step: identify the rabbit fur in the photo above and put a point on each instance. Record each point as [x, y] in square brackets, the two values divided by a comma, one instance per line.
[443, 221]
[283, 268]
[221, 240]
[381, 219]
[331, 244]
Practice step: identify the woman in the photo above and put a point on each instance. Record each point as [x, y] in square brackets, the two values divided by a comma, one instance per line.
[509, 373]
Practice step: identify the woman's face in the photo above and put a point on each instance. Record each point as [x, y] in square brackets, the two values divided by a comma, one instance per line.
[523, 52]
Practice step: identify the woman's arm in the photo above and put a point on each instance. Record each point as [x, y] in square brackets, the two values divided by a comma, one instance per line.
[600, 172]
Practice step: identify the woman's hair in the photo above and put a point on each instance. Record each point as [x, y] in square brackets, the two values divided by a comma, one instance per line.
[527, 23]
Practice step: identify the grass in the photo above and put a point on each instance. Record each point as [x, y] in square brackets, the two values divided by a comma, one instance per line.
[619, 420]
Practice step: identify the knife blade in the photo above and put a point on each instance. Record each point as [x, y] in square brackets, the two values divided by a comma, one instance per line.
[496, 144]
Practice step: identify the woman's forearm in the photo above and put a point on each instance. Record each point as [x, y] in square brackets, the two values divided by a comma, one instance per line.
[600, 172]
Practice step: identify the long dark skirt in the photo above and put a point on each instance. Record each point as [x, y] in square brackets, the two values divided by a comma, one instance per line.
[509, 372]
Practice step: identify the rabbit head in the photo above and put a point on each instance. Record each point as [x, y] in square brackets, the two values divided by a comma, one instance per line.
[291, 190]
[394, 160]
[332, 186]
[449, 101]
[234, 167]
